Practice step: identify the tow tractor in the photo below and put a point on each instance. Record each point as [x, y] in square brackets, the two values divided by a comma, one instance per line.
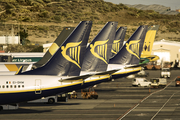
[158, 82]
[9, 107]
[89, 93]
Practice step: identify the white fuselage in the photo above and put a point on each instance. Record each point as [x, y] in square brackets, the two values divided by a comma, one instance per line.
[19, 88]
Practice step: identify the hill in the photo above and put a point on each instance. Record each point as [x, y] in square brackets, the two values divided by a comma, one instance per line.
[158, 8]
[43, 20]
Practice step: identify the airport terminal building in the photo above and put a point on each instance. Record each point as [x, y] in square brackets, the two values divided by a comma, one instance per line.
[168, 51]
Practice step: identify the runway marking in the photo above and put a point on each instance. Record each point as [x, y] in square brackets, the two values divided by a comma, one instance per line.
[131, 109]
[163, 106]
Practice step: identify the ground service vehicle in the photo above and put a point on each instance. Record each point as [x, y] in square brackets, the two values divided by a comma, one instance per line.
[165, 72]
[158, 82]
[72, 94]
[62, 97]
[9, 107]
[141, 82]
[177, 81]
[89, 93]
[49, 100]
[142, 73]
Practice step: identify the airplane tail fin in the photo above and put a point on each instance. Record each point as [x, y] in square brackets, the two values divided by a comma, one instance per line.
[118, 41]
[71, 52]
[149, 40]
[54, 47]
[131, 51]
[99, 50]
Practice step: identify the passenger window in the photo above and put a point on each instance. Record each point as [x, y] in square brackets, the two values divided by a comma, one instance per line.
[7, 86]
[3, 86]
[11, 86]
[14, 86]
[19, 86]
[22, 86]
[0, 86]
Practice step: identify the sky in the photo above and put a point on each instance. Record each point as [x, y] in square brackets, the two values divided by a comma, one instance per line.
[173, 4]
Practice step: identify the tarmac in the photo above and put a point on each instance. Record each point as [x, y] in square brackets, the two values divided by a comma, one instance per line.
[117, 100]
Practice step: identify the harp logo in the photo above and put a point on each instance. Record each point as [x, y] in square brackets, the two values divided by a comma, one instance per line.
[99, 50]
[133, 47]
[115, 46]
[72, 52]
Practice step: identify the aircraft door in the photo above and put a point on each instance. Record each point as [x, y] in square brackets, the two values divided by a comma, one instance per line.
[37, 86]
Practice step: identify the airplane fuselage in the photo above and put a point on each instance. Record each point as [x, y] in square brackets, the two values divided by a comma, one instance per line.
[19, 88]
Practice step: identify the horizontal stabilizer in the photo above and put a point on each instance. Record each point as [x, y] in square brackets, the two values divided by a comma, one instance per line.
[108, 72]
[76, 78]
[134, 66]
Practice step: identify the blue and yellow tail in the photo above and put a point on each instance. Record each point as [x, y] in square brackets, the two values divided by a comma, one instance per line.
[71, 52]
[118, 41]
[54, 47]
[130, 53]
[99, 50]
[148, 44]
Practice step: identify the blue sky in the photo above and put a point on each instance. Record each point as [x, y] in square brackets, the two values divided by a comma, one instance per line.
[174, 4]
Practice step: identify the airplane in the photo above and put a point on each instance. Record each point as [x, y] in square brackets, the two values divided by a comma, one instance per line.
[10, 68]
[106, 35]
[19, 88]
[52, 78]
[129, 55]
[148, 44]
[98, 54]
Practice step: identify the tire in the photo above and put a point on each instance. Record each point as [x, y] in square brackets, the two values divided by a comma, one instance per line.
[66, 99]
[51, 100]
[95, 96]
[1, 108]
[139, 85]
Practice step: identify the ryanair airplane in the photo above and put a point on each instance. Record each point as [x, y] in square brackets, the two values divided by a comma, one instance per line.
[98, 53]
[43, 82]
[10, 68]
[99, 50]
[129, 56]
